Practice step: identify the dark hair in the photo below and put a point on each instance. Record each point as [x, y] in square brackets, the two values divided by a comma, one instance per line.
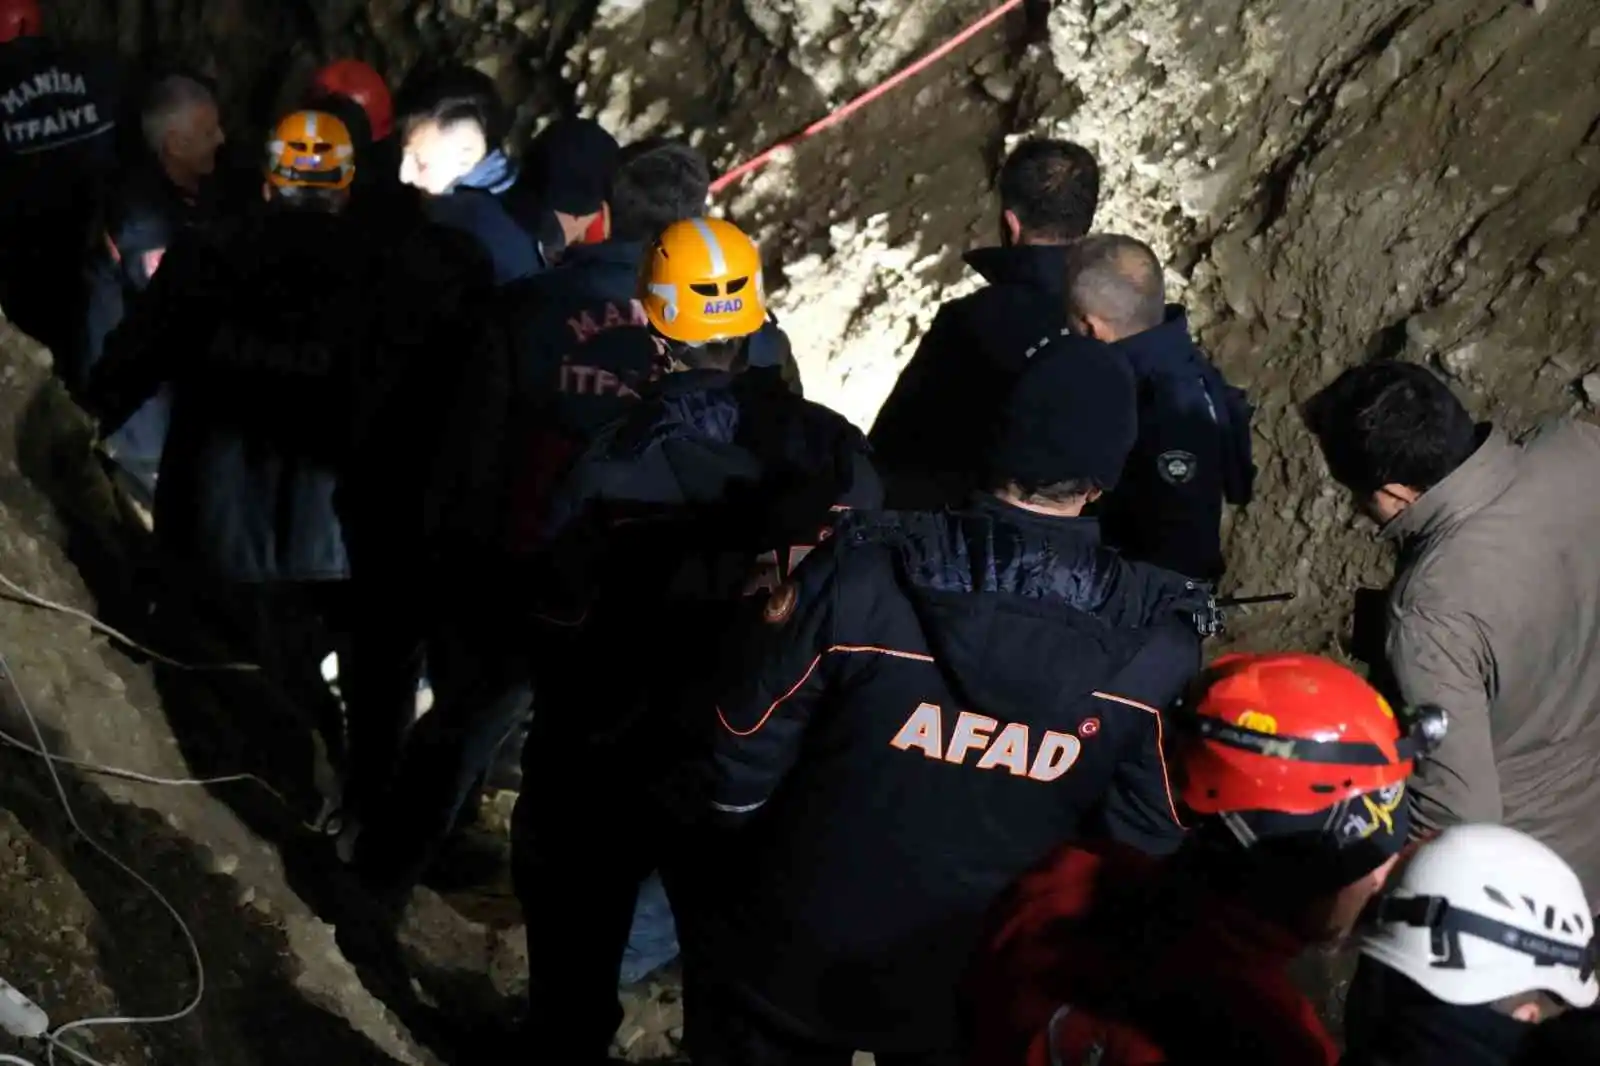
[1118, 279]
[1390, 423]
[1052, 187]
[1059, 493]
[354, 117]
[308, 199]
[732, 355]
[452, 94]
[657, 182]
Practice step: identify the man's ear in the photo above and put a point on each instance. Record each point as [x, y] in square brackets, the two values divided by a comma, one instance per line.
[1082, 325]
[1012, 226]
[1528, 1012]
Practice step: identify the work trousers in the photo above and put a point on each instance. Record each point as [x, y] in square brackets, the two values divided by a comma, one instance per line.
[585, 837]
[483, 695]
[722, 1031]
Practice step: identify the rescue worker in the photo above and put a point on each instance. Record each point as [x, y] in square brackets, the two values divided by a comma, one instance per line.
[167, 194]
[359, 97]
[1193, 452]
[1104, 955]
[937, 700]
[567, 173]
[670, 523]
[451, 129]
[58, 116]
[1495, 609]
[259, 334]
[1480, 938]
[495, 414]
[938, 424]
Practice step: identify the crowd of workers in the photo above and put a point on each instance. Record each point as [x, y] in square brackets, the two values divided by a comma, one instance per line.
[915, 728]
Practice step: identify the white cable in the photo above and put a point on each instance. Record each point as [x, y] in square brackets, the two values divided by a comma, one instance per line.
[34, 599]
[14, 1061]
[151, 779]
[55, 1035]
[74, 1052]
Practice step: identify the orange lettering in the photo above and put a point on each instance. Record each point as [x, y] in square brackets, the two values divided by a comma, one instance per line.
[972, 731]
[1010, 749]
[1056, 755]
[922, 731]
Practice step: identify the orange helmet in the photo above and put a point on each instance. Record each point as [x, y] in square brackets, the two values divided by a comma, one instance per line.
[19, 18]
[355, 80]
[702, 283]
[311, 150]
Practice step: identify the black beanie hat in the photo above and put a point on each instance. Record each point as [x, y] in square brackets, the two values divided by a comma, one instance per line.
[572, 162]
[1073, 414]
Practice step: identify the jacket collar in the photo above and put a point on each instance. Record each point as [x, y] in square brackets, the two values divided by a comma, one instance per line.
[1037, 266]
[1168, 348]
[1486, 474]
[494, 173]
[1082, 529]
[627, 254]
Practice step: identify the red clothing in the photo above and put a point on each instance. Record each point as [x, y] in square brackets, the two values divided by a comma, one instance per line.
[1103, 945]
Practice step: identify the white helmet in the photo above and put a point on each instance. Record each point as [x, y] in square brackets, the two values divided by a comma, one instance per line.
[1482, 912]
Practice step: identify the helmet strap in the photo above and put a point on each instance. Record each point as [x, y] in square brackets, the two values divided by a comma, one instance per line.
[1447, 924]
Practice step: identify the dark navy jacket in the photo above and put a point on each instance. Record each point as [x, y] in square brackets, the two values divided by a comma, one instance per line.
[475, 205]
[674, 524]
[933, 434]
[582, 355]
[1192, 454]
[142, 218]
[260, 335]
[58, 117]
[946, 698]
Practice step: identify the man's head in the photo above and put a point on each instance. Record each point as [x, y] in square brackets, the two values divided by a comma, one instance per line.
[183, 129]
[1390, 431]
[1114, 287]
[702, 292]
[1295, 769]
[310, 162]
[657, 182]
[1068, 427]
[1048, 193]
[571, 164]
[1484, 915]
[450, 120]
[353, 80]
[19, 18]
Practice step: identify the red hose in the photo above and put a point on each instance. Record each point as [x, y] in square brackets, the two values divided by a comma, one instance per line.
[844, 111]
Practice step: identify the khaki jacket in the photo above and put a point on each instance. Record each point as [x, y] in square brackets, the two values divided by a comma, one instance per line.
[1495, 616]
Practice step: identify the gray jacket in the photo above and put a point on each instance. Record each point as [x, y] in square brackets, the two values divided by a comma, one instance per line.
[1495, 615]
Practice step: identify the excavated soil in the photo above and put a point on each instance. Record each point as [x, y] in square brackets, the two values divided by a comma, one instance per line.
[1330, 182]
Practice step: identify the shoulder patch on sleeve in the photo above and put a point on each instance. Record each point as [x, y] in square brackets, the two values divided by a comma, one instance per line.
[1177, 467]
[781, 604]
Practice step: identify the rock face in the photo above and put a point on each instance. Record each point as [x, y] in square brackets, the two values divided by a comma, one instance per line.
[1330, 182]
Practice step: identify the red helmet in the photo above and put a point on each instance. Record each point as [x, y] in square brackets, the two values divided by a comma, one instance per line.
[357, 81]
[19, 18]
[1293, 734]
